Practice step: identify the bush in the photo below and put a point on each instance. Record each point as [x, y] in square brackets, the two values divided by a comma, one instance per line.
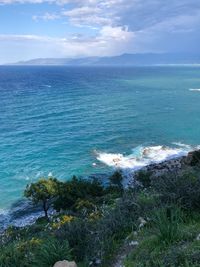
[77, 233]
[184, 189]
[144, 178]
[10, 256]
[181, 255]
[195, 158]
[114, 226]
[167, 224]
[97, 236]
[50, 252]
[77, 189]
[147, 201]
[19, 254]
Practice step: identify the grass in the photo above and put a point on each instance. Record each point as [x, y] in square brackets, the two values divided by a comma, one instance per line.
[167, 224]
[169, 242]
[50, 252]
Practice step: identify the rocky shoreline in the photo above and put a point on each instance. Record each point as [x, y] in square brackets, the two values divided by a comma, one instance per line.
[175, 165]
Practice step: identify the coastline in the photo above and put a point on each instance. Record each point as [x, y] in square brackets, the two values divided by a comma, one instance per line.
[175, 165]
[166, 197]
[23, 214]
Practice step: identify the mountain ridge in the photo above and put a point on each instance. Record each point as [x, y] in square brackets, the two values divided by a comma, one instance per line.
[124, 60]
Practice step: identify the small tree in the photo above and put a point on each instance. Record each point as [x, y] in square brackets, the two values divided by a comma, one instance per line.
[42, 191]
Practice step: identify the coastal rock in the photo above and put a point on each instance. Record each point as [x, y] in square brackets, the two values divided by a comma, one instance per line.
[198, 237]
[175, 165]
[65, 264]
[194, 157]
[133, 243]
[95, 262]
[142, 222]
[187, 160]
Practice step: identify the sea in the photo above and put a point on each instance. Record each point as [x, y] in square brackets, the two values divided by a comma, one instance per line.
[88, 121]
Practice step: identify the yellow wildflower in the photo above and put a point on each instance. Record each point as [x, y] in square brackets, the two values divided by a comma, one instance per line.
[62, 221]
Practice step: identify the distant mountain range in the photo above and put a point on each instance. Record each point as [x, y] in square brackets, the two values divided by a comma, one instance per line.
[122, 60]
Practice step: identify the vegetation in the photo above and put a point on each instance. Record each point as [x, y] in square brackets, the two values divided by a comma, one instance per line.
[71, 193]
[116, 179]
[167, 223]
[44, 191]
[52, 251]
[157, 222]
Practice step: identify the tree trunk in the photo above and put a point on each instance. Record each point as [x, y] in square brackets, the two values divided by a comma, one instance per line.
[45, 210]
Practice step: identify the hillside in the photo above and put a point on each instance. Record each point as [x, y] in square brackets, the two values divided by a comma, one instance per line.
[121, 60]
[154, 224]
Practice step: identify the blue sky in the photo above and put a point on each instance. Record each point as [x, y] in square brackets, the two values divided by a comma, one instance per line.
[77, 28]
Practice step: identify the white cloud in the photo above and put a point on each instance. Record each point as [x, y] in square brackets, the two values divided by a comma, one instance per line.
[121, 26]
[47, 16]
[116, 33]
[87, 16]
[110, 41]
[58, 2]
[91, 13]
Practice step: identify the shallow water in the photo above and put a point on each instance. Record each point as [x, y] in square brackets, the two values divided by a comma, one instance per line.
[62, 121]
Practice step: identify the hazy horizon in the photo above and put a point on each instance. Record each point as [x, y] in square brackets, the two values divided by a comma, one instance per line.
[125, 59]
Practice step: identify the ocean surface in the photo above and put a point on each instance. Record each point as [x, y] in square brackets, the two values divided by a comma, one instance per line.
[65, 121]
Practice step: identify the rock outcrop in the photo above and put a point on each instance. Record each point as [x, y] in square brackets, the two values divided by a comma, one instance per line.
[65, 264]
[175, 165]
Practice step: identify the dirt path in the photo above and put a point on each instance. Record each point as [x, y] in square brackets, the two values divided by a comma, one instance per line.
[123, 253]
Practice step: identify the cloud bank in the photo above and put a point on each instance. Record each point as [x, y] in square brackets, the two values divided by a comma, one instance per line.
[111, 27]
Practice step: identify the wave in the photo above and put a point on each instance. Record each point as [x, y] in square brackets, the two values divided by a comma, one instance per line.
[142, 156]
[194, 89]
[47, 85]
[20, 214]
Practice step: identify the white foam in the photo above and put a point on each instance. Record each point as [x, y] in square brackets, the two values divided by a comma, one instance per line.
[143, 156]
[194, 89]
[27, 219]
[3, 212]
[119, 161]
[179, 144]
[47, 85]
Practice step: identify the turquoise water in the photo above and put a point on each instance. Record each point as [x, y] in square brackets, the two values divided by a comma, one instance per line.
[54, 119]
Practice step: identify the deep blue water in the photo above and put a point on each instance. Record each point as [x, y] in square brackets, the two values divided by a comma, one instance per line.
[52, 119]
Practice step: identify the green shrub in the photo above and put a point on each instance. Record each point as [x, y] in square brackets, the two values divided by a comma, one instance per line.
[77, 189]
[147, 201]
[19, 254]
[51, 251]
[115, 224]
[167, 224]
[195, 158]
[180, 255]
[78, 235]
[183, 188]
[84, 207]
[144, 178]
[10, 256]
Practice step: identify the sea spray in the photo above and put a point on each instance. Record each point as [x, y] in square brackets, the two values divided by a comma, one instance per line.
[144, 155]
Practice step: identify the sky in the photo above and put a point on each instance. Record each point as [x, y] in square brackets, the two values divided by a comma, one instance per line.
[80, 28]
